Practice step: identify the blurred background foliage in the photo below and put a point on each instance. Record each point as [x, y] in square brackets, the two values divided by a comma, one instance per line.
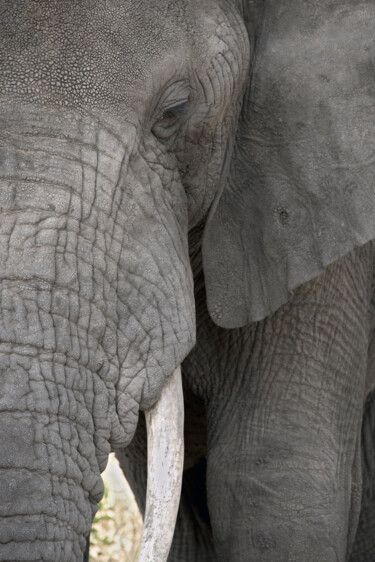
[117, 527]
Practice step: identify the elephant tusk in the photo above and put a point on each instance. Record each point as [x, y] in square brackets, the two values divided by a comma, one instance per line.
[165, 459]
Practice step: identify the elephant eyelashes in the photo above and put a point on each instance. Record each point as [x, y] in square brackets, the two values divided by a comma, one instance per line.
[176, 110]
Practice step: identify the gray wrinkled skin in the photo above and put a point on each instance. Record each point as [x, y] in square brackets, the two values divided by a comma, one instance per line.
[100, 178]
[126, 127]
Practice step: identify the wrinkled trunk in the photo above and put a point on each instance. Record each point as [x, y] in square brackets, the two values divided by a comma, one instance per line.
[53, 428]
[49, 474]
[56, 370]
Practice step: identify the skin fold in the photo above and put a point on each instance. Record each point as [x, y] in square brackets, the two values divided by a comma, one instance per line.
[179, 184]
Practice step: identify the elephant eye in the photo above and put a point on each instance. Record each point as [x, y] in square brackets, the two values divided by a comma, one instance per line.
[173, 106]
[170, 120]
[176, 110]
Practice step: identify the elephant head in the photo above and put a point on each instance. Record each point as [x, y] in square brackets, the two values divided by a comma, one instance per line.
[115, 121]
[125, 126]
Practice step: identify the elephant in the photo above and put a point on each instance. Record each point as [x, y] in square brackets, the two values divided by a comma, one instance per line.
[188, 186]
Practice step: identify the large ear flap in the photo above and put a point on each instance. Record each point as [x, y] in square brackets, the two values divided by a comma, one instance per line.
[300, 191]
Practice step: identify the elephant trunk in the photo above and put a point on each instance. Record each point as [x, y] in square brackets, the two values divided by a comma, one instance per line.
[57, 366]
[49, 474]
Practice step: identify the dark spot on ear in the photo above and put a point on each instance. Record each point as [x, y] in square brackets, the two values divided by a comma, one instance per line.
[324, 78]
[262, 461]
[282, 216]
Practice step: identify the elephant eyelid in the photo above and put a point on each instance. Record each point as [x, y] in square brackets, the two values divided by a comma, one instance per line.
[174, 100]
[177, 110]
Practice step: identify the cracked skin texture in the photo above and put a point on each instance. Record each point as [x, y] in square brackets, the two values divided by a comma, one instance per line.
[96, 284]
[118, 123]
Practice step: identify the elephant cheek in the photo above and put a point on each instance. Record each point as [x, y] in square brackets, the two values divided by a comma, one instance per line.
[155, 300]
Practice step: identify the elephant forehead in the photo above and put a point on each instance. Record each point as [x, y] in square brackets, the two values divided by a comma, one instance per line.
[91, 52]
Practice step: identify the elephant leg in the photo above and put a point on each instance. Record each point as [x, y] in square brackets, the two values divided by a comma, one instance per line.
[193, 536]
[283, 432]
[364, 544]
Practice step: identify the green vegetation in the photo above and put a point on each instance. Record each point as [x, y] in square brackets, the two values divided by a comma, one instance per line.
[117, 527]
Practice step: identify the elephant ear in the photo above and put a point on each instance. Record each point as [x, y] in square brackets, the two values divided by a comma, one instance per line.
[300, 191]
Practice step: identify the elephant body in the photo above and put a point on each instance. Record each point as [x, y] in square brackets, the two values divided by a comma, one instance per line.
[189, 182]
